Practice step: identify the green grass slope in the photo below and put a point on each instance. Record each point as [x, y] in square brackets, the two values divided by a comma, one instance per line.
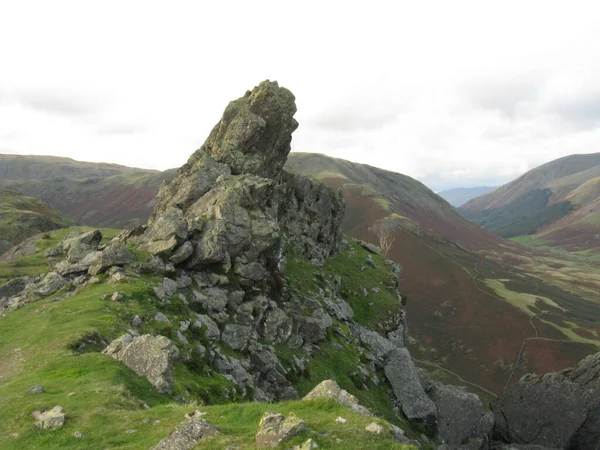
[56, 343]
[22, 217]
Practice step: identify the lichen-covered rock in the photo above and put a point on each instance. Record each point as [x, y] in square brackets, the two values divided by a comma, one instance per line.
[236, 337]
[232, 209]
[555, 410]
[274, 428]
[309, 444]
[187, 435]
[330, 389]
[461, 416]
[52, 418]
[374, 342]
[149, 356]
[412, 399]
[115, 254]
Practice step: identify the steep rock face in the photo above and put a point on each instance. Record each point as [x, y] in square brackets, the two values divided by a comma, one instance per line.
[559, 410]
[232, 209]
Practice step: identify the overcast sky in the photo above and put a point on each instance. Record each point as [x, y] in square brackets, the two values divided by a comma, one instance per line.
[452, 93]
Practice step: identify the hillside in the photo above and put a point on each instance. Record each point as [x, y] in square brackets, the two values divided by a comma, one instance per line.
[459, 196]
[94, 194]
[460, 279]
[558, 201]
[22, 217]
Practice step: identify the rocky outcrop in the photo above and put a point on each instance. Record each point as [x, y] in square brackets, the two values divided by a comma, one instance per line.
[232, 209]
[330, 389]
[412, 399]
[559, 410]
[187, 435]
[148, 356]
[274, 428]
[52, 418]
[462, 420]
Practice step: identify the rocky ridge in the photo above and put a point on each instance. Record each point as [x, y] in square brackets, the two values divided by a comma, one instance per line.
[236, 243]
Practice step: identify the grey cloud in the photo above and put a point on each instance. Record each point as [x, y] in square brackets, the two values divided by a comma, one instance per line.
[55, 102]
[581, 109]
[356, 117]
[119, 129]
[504, 95]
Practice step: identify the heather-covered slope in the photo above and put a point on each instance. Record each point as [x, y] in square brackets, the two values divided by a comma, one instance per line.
[471, 294]
[559, 201]
[22, 217]
[95, 194]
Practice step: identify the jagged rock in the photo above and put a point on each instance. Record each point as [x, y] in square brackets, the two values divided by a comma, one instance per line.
[182, 253]
[36, 389]
[234, 369]
[330, 389]
[461, 417]
[52, 418]
[51, 283]
[14, 287]
[374, 342]
[402, 375]
[236, 337]
[309, 444]
[187, 435]
[501, 446]
[210, 328]
[136, 321]
[374, 428]
[160, 317]
[227, 207]
[116, 297]
[166, 289]
[339, 309]
[149, 356]
[114, 254]
[255, 132]
[274, 428]
[212, 299]
[554, 410]
[276, 325]
[370, 247]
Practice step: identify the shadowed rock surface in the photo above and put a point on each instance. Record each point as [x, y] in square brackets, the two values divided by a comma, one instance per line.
[555, 410]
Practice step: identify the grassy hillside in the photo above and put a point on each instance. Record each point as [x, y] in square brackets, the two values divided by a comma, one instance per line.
[55, 343]
[22, 217]
[459, 196]
[560, 201]
[94, 194]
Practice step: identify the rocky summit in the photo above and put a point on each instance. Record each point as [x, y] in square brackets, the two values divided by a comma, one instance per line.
[242, 309]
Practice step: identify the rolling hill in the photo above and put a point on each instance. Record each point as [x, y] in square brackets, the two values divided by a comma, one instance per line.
[94, 194]
[22, 217]
[559, 202]
[459, 196]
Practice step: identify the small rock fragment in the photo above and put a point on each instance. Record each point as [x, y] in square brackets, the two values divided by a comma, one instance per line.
[374, 428]
[52, 418]
[341, 420]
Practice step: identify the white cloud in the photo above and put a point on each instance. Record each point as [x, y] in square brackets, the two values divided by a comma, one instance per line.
[454, 93]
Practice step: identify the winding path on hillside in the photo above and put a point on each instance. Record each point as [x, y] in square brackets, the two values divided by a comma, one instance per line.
[437, 366]
[525, 340]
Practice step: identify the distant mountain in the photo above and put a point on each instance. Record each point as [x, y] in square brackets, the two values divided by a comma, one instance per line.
[559, 201]
[22, 217]
[94, 194]
[459, 196]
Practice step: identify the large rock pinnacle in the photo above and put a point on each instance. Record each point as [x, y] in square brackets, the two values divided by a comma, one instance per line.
[255, 132]
[232, 209]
